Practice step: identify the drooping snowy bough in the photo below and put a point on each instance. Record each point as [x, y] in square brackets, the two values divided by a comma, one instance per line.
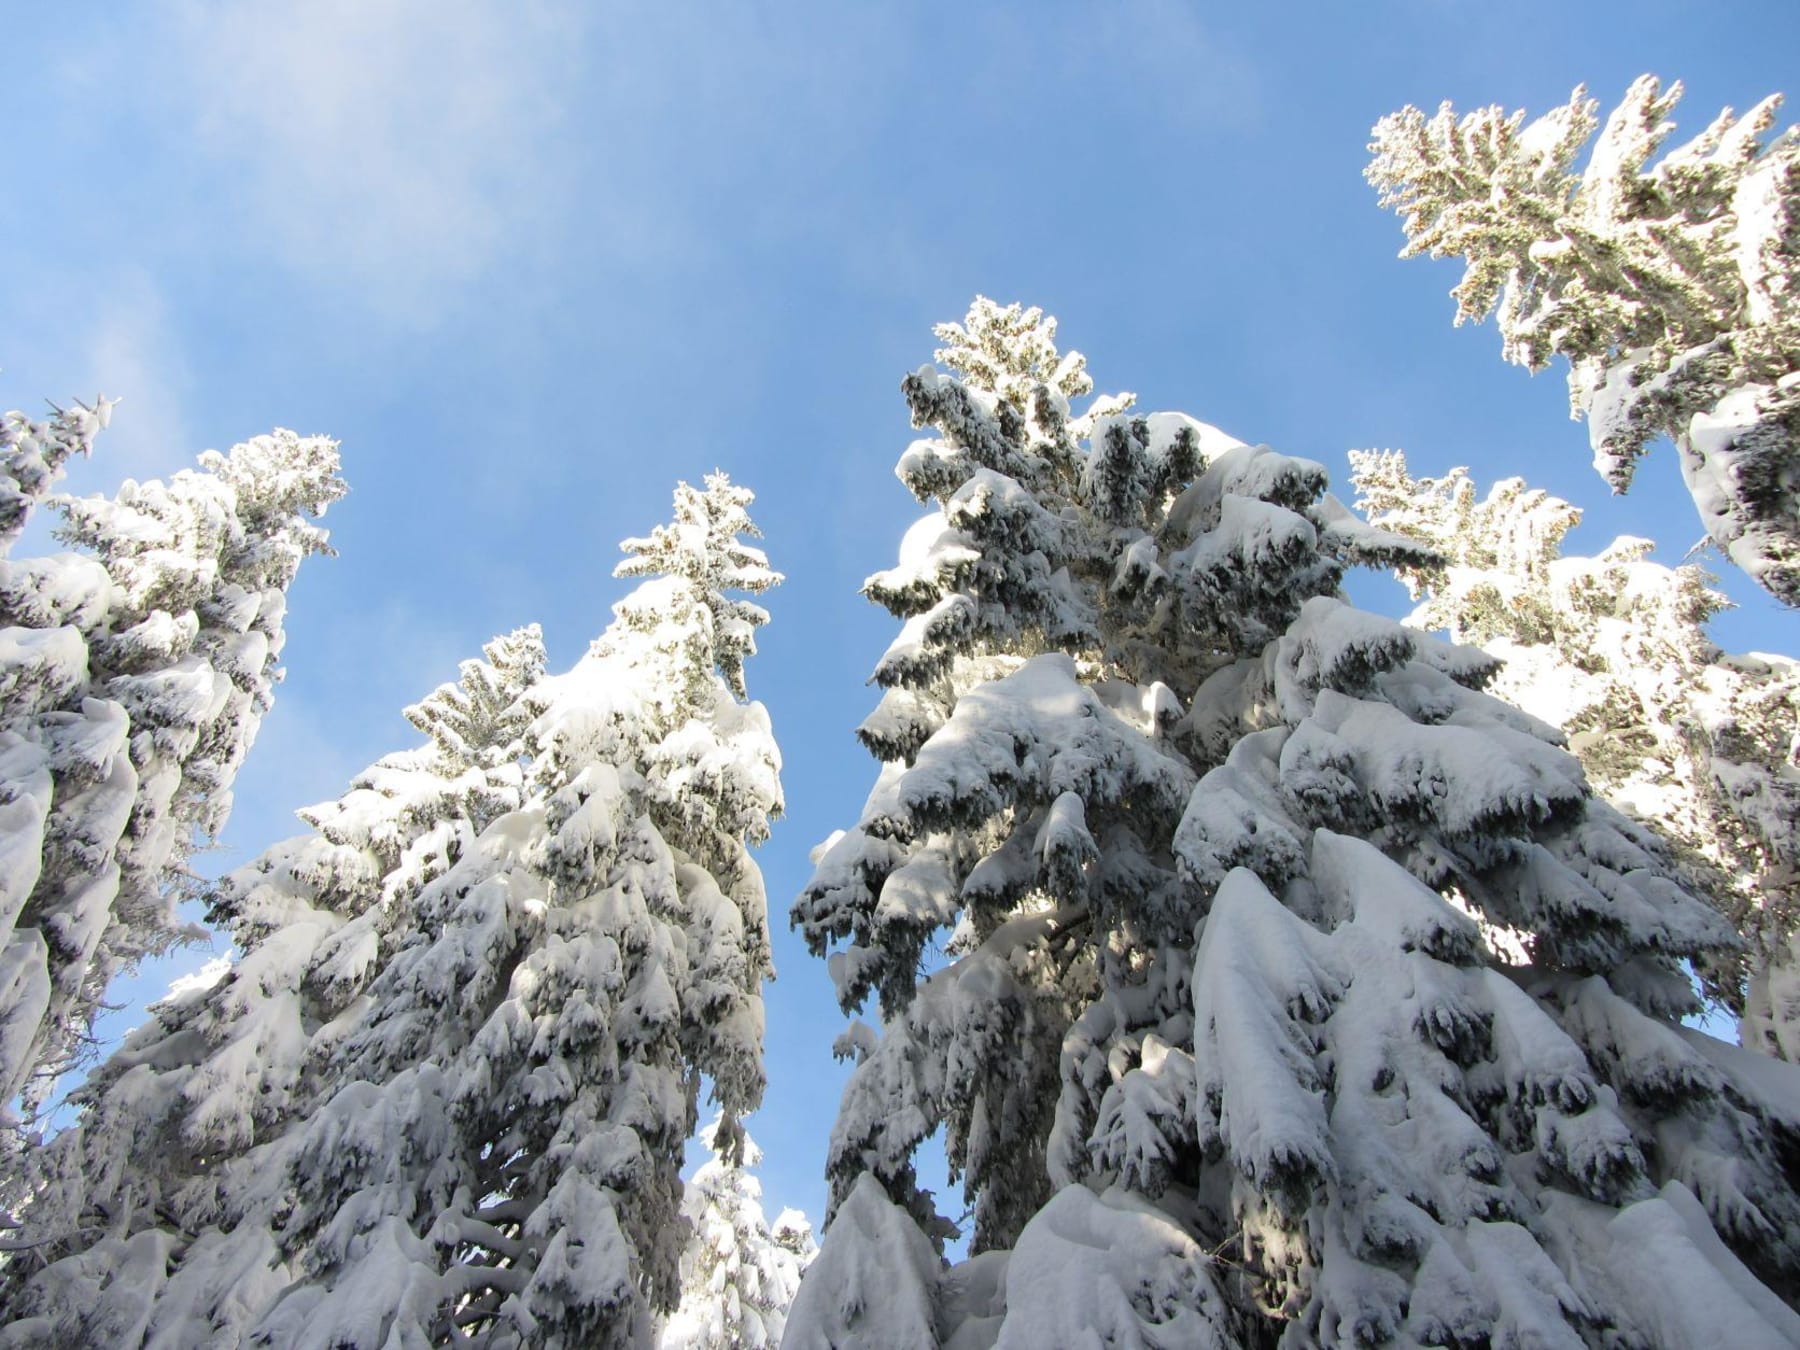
[1290, 983]
[443, 1095]
[1671, 288]
[133, 677]
[1700, 743]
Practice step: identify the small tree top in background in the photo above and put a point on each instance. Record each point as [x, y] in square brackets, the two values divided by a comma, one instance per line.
[739, 1271]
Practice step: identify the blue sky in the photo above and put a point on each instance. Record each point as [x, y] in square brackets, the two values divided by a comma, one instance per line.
[533, 262]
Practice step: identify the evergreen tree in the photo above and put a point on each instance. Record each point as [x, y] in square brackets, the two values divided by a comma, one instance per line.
[1218, 1046]
[33, 455]
[1670, 288]
[1696, 742]
[212, 1086]
[738, 1273]
[133, 678]
[482, 994]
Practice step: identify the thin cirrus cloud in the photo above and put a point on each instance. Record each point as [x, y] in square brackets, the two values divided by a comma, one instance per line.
[398, 154]
[120, 344]
[382, 155]
[131, 353]
[390, 149]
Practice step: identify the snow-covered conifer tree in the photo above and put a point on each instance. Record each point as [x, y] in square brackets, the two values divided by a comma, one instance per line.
[1222, 1048]
[444, 1094]
[133, 677]
[214, 1086]
[738, 1272]
[1669, 287]
[33, 455]
[1698, 743]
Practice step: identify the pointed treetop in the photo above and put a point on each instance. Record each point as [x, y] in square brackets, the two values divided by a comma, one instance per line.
[248, 514]
[463, 718]
[701, 548]
[280, 479]
[1008, 349]
[32, 456]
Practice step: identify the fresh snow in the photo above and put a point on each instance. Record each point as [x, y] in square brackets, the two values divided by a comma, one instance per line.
[1297, 988]
[1695, 741]
[133, 678]
[1668, 286]
[445, 1088]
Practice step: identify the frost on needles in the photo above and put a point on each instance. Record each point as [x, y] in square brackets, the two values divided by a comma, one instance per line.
[738, 1271]
[1698, 742]
[1670, 287]
[1176, 891]
[133, 677]
[443, 1094]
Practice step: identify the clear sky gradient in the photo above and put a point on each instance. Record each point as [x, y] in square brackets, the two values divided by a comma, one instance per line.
[533, 262]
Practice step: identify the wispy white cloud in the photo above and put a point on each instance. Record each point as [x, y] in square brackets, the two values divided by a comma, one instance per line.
[396, 152]
[400, 148]
[131, 353]
[118, 342]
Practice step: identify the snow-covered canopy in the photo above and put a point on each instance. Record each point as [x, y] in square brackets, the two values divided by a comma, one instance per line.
[445, 1090]
[1281, 963]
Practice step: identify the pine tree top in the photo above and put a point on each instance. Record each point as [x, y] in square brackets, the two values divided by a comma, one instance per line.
[1669, 286]
[699, 557]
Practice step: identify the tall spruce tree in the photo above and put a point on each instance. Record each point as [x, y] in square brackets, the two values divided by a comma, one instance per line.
[1697, 742]
[1218, 1046]
[443, 1095]
[133, 677]
[1669, 287]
